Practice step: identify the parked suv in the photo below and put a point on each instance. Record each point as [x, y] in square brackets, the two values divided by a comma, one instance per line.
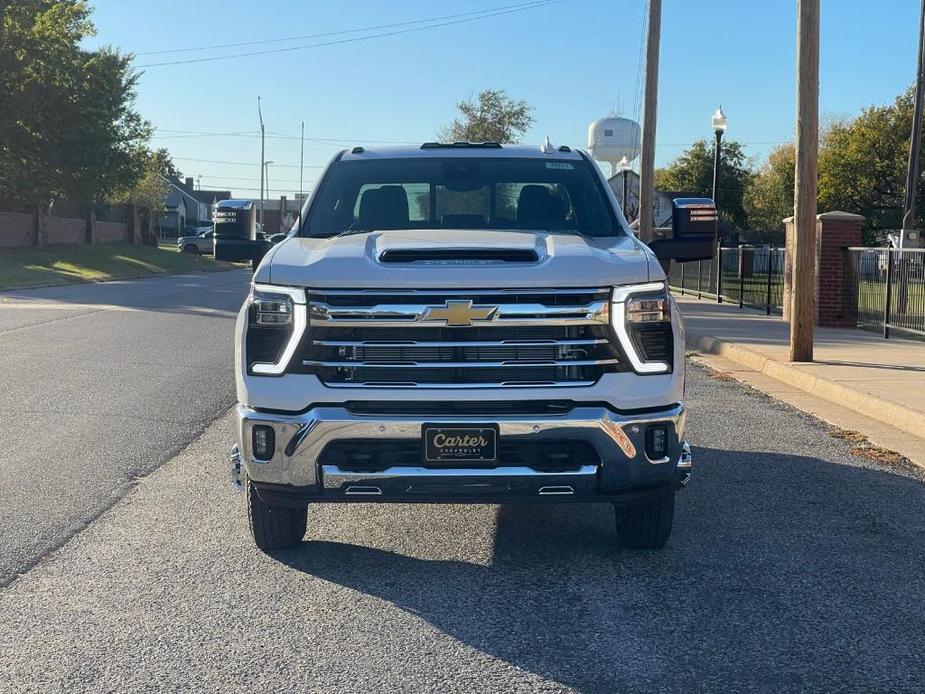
[463, 323]
[202, 242]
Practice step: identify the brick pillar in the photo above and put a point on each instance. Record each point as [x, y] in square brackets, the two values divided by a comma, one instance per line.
[835, 232]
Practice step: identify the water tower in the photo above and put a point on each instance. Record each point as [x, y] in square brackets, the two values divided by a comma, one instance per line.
[612, 138]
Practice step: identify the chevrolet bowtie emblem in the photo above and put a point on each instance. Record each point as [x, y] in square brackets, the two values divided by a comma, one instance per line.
[459, 313]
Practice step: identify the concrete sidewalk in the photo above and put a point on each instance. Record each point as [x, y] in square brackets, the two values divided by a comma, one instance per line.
[858, 370]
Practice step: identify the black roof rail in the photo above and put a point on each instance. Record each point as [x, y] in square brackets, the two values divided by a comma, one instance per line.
[357, 150]
[565, 148]
[450, 145]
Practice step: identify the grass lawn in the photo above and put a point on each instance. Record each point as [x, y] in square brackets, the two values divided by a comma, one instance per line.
[29, 267]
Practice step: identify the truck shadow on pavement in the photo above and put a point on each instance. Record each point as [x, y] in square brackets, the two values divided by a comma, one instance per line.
[784, 572]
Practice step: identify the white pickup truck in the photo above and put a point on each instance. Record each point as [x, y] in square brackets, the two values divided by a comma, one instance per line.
[464, 323]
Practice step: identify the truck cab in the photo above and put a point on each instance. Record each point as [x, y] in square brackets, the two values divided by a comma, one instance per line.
[463, 323]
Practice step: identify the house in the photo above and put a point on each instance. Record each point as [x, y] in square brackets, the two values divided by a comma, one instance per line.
[278, 215]
[187, 207]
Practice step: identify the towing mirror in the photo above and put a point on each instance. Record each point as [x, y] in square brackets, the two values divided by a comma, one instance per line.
[236, 238]
[694, 229]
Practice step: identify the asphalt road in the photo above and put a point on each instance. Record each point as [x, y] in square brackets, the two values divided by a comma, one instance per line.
[794, 566]
[102, 383]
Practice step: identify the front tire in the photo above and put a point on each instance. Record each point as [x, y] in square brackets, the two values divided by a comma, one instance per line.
[648, 525]
[191, 249]
[272, 526]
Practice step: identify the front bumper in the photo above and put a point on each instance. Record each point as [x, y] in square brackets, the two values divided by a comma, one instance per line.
[296, 468]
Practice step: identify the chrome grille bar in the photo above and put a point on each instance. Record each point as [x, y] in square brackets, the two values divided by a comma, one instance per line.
[466, 293]
[459, 364]
[458, 343]
[409, 315]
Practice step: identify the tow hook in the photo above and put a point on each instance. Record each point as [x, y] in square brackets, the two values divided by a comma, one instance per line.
[237, 481]
[685, 465]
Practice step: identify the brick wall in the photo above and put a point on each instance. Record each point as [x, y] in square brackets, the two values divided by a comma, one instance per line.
[63, 230]
[15, 229]
[110, 232]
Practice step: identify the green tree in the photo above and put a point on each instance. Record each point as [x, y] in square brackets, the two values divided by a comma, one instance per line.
[105, 147]
[150, 191]
[692, 172]
[769, 197]
[68, 125]
[862, 166]
[39, 72]
[492, 117]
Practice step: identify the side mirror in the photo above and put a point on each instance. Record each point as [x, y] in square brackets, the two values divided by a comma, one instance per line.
[694, 225]
[236, 236]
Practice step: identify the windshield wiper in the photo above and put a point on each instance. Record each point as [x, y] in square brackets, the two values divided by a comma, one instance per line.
[349, 232]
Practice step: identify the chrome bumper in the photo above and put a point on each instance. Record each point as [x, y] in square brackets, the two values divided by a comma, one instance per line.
[618, 439]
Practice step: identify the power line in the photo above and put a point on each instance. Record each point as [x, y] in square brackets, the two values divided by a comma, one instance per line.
[193, 134]
[250, 178]
[378, 27]
[266, 190]
[541, 3]
[243, 163]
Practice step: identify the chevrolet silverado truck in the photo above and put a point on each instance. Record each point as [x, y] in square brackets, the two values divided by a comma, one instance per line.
[464, 323]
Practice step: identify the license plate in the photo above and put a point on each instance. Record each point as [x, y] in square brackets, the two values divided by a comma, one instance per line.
[460, 444]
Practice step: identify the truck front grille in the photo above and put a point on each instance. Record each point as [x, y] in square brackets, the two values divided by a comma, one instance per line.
[491, 338]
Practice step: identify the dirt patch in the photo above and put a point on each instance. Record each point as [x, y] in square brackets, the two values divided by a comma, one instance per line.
[847, 435]
[865, 449]
[721, 376]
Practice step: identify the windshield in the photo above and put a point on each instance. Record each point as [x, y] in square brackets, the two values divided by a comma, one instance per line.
[462, 193]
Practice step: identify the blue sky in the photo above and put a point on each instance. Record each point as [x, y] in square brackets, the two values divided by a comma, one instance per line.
[572, 60]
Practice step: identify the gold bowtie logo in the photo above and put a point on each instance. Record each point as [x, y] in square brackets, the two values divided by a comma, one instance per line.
[459, 313]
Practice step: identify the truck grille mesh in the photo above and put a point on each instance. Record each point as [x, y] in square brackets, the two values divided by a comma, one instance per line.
[402, 339]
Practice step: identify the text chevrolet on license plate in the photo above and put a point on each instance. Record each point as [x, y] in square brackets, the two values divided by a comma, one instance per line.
[460, 444]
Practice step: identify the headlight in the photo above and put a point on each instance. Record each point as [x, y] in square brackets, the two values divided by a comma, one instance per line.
[641, 318]
[276, 320]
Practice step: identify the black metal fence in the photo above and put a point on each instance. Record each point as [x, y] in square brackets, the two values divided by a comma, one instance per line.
[885, 287]
[746, 275]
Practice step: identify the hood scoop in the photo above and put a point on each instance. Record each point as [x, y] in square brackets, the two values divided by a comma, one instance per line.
[460, 256]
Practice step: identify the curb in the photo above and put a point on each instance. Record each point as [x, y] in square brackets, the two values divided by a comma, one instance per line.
[898, 416]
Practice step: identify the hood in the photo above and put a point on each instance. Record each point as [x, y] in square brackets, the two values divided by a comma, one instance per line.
[428, 258]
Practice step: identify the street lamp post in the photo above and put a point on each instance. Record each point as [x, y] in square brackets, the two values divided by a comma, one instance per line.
[719, 122]
[625, 167]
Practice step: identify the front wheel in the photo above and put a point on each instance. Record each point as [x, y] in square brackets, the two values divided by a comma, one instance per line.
[190, 248]
[647, 525]
[273, 526]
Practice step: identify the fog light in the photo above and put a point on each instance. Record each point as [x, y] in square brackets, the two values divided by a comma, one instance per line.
[657, 442]
[264, 441]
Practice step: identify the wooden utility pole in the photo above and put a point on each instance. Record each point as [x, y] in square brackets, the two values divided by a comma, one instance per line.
[649, 119]
[802, 312]
[912, 171]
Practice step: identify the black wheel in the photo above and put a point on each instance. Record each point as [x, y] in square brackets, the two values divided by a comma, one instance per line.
[648, 525]
[191, 248]
[272, 526]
